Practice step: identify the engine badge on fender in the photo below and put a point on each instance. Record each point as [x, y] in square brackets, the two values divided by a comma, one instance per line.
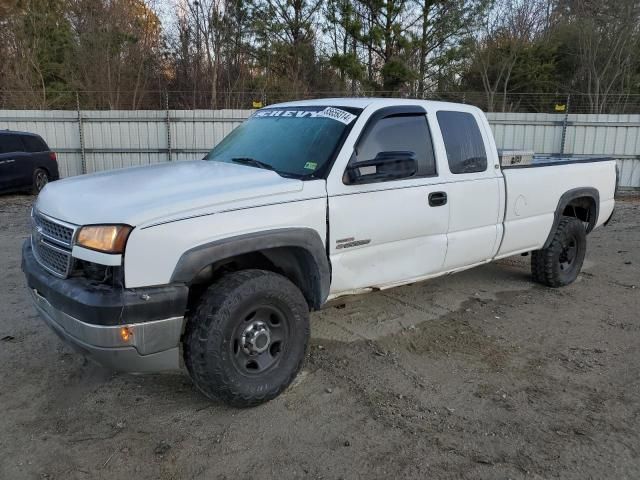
[350, 243]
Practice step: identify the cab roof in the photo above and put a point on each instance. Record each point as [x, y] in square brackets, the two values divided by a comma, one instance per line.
[364, 102]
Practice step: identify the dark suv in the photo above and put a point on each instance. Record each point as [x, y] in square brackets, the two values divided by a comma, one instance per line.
[26, 162]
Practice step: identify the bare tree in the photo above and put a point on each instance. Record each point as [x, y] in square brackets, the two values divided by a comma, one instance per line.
[443, 25]
[608, 48]
[117, 50]
[506, 31]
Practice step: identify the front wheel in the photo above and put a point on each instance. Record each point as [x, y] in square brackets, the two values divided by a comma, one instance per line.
[560, 263]
[246, 340]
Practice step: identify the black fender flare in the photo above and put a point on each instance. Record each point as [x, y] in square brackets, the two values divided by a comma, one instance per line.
[565, 199]
[194, 260]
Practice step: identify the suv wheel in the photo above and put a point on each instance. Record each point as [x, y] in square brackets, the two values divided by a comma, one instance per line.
[559, 264]
[40, 179]
[246, 340]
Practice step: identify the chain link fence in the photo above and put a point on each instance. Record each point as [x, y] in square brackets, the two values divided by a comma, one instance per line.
[215, 100]
[92, 140]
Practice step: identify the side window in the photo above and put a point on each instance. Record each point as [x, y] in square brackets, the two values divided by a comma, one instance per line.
[10, 144]
[34, 144]
[404, 133]
[463, 142]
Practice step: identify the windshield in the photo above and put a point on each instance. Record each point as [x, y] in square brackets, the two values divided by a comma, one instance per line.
[293, 141]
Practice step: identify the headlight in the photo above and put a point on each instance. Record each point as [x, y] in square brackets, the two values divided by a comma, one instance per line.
[104, 238]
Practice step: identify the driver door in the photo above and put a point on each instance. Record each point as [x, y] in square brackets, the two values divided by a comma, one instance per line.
[388, 227]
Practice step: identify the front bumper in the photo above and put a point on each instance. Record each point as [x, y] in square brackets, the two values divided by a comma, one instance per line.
[91, 318]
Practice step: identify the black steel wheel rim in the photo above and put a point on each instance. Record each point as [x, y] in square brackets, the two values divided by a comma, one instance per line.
[568, 254]
[259, 339]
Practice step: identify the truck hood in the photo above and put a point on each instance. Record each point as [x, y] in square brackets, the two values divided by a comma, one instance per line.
[140, 196]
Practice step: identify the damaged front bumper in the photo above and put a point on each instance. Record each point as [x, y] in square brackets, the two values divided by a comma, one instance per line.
[92, 317]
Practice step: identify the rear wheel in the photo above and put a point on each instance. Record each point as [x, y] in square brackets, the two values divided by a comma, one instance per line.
[560, 263]
[40, 179]
[246, 340]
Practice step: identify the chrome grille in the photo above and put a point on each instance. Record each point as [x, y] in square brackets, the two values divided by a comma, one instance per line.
[52, 242]
[54, 260]
[54, 231]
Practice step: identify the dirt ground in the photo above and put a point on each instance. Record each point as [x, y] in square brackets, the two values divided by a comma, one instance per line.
[477, 375]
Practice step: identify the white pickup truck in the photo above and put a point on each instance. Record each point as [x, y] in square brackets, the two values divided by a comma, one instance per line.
[214, 264]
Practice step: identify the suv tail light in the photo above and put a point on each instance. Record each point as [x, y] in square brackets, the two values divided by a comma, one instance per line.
[53, 156]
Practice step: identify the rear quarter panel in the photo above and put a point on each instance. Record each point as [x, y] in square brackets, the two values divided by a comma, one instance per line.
[533, 195]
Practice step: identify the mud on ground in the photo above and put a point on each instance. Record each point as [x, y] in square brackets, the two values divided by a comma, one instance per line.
[477, 375]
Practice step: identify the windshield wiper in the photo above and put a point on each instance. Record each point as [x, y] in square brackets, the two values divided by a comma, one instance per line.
[252, 162]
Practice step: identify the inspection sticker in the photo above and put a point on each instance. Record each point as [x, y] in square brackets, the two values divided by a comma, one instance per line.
[310, 166]
[337, 114]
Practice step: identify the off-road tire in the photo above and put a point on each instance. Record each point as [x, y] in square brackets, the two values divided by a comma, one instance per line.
[210, 337]
[40, 179]
[547, 265]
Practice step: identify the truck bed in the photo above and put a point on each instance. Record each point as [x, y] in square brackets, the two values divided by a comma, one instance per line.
[553, 160]
[533, 192]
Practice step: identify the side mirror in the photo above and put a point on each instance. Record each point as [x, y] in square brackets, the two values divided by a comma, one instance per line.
[385, 166]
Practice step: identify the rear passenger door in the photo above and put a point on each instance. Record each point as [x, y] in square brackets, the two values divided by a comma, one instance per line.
[388, 230]
[475, 189]
[12, 155]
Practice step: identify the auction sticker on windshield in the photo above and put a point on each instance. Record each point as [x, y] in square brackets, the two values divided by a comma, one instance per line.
[338, 114]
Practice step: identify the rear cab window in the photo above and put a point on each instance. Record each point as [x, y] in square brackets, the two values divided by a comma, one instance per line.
[463, 142]
[10, 143]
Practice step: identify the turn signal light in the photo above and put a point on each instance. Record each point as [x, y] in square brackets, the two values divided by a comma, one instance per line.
[126, 334]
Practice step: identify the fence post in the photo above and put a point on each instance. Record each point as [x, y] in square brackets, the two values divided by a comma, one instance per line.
[83, 158]
[565, 123]
[168, 122]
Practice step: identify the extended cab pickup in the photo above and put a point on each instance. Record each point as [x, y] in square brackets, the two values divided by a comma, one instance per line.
[214, 264]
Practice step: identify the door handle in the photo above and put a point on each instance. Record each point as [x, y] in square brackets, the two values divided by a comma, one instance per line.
[437, 199]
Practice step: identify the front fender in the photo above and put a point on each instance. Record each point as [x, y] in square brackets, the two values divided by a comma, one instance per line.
[194, 260]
